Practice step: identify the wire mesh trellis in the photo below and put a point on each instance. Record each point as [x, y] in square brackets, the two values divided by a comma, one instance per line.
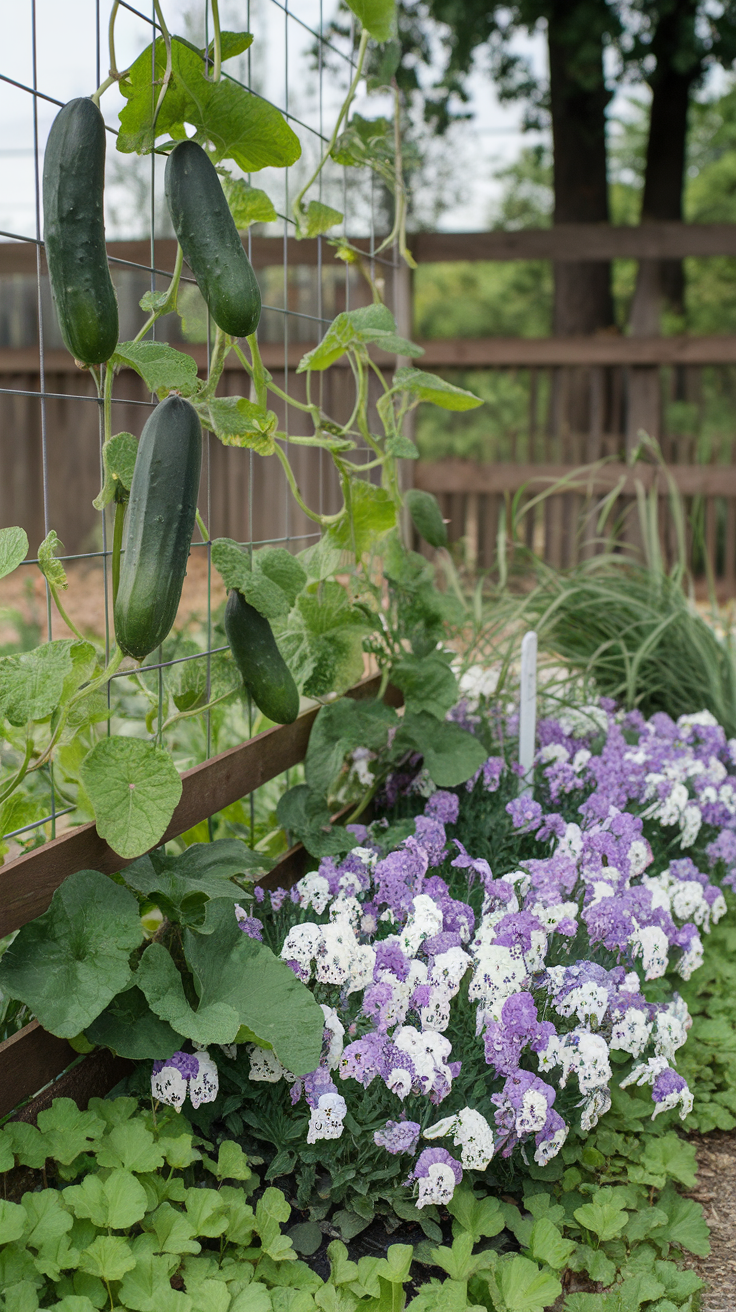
[51, 448]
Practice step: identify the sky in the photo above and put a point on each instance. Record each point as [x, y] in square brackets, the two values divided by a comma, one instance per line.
[65, 55]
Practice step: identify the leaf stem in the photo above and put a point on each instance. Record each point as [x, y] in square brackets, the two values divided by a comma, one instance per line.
[324, 520]
[198, 710]
[221, 350]
[69, 623]
[111, 40]
[171, 297]
[117, 545]
[260, 380]
[218, 41]
[9, 788]
[201, 527]
[297, 206]
[169, 67]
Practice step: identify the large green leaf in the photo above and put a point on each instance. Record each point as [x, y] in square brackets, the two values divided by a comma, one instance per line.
[523, 1287]
[13, 549]
[182, 885]
[119, 456]
[234, 123]
[430, 387]
[118, 1201]
[147, 1288]
[305, 816]
[247, 204]
[686, 1226]
[357, 329]
[427, 682]
[232, 969]
[67, 1131]
[131, 1029]
[70, 962]
[372, 513]
[162, 369]
[32, 684]
[378, 17]
[134, 788]
[323, 640]
[239, 422]
[451, 754]
[158, 977]
[108, 1257]
[337, 730]
[269, 580]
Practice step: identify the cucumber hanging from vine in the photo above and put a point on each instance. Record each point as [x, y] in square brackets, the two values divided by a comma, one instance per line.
[74, 232]
[264, 671]
[210, 241]
[159, 526]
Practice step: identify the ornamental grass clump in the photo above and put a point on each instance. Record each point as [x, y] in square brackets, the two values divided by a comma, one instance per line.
[494, 970]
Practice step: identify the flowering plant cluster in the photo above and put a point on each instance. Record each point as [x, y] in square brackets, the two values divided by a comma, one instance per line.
[494, 1009]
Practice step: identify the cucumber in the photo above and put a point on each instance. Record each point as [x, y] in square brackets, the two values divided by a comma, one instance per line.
[210, 241]
[265, 672]
[74, 232]
[427, 517]
[158, 527]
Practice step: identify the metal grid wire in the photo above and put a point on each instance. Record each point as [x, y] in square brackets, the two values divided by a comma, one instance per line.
[320, 58]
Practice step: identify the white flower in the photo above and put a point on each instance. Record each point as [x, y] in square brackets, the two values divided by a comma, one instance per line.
[265, 1066]
[580, 1052]
[688, 902]
[497, 975]
[550, 917]
[204, 1085]
[472, 1134]
[587, 1000]
[314, 891]
[646, 1072]
[549, 1148]
[651, 944]
[302, 944]
[553, 752]
[580, 760]
[670, 1029]
[336, 1031]
[362, 964]
[477, 682]
[581, 722]
[691, 960]
[437, 1186]
[169, 1086]
[631, 1031]
[532, 1114]
[448, 969]
[594, 1107]
[690, 823]
[424, 921]
[571, 843]
[640, 856]
[436, 1014]
[325, 1120]
[335, 953]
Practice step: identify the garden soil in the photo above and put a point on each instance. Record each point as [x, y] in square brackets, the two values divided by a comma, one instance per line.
[716, 1190]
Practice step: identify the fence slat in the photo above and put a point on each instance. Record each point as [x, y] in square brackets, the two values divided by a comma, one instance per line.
[455, 477]
[27, 884]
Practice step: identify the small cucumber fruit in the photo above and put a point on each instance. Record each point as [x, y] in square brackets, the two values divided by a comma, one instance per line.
[265, 672]
[427, 517]
[74, 232]
[210, 241]
[158, 527]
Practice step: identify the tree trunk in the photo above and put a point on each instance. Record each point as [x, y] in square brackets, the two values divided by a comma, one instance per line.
[578, 99]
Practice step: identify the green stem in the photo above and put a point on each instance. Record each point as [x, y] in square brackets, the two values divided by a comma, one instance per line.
[260, 381]
[102, 88]
[169, 67]
[171, 297]
[111, 39]
[69, 623]
[201, 527]
[19, 777]
[117, 546]
[324, 520]
[267, 382]
[222, 348]
[197, 710]
[340, 119]
[218, 41]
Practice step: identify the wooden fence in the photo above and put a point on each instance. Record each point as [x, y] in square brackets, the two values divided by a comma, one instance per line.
[32, 1057]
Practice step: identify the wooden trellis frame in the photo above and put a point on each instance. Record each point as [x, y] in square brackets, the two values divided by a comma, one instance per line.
[32, 1058]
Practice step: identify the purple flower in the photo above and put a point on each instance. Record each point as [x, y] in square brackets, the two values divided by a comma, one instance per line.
[435, 1157]
[277, 896]
[185, 1072]
[258, 893]
[526, 814]
[361, 1059]
[478, 867]
[390, 957]
[251, 926]
[430, 834]
[398, 1136]
[186, 1063]
[443, 806]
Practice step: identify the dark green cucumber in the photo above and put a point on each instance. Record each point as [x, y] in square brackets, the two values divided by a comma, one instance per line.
[158, 527]
[74, 232]
[265, 672]
[210, 241]
[427, 517]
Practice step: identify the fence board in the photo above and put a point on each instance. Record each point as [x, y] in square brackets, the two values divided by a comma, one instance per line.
[455, 477]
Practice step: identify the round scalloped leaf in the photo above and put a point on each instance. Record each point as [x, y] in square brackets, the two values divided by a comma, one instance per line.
[134, 788]
[69, 963]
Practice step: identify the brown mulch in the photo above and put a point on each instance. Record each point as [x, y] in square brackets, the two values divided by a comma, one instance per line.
[716, 1190]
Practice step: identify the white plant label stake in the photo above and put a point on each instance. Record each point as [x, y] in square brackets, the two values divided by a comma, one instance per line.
[528, 711]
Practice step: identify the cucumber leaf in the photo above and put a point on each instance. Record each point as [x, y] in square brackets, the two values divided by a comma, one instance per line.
[378, 17]
[451, 754]
[69, 963]
[232, 969]
[182, 885]
[355, 329]
[338, 729]
[51, 568]
[372, 513]
[315, 219]
[33, 683]
[119, 455]
[13, 549]
[239, 422]
[427, 682]
[247, 204]
[270, 582]
[134, 788]
[430, 387]
[322, 642]
[162, 369]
